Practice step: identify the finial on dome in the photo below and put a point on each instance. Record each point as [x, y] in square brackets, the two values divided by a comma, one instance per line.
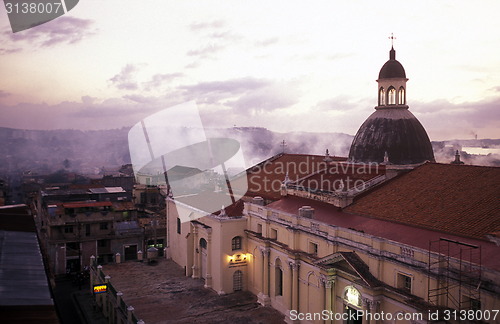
[392, 52]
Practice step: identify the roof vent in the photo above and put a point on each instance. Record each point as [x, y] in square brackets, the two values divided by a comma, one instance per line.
[258, 201]
[306, 211]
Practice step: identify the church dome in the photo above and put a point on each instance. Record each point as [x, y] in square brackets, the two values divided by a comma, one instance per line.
[395, 132]
[392, 68]
[392, 133]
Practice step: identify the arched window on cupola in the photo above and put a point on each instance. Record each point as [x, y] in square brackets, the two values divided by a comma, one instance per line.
[391, 97]
[381, 97]
[401, 96]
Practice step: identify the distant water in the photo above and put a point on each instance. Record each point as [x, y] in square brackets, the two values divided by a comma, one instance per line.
[481, 150]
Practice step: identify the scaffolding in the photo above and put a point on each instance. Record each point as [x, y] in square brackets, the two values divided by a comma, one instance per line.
[454, 278]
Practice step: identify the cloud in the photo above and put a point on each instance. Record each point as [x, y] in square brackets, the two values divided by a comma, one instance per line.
[88, 100]
[158, 80]
[205, 51]
[339, 56]
[142, 99]
[5, 51]
[63, 30]
[229, 87]
[4, 94]
[89, 114]
[220, 92]
[267, 42]
[263, 100]
[125, 79]
[203, 25]
[216, 33]
[240, 98]
[444, 119]
[341, 104]
[225, 35]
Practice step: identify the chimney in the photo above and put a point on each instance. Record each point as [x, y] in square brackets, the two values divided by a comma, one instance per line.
[306, 211]
[258, 201]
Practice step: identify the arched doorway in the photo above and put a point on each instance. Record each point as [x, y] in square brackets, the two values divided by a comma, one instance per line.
[237, 280]
[352, 305]
[203, 264]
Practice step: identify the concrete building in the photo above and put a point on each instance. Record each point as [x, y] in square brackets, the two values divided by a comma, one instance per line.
[71, 232]
[387, 231]
[150, 204]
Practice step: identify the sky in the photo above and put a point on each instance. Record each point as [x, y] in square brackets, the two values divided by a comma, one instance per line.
[283, 65]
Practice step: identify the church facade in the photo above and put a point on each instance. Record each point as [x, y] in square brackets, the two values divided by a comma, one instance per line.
[384, 236]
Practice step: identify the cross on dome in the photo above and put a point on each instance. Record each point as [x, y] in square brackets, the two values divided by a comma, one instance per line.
[392, 38]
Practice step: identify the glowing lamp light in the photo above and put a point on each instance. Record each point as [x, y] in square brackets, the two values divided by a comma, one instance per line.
[238, 258]
[101, 288]
[352, 296]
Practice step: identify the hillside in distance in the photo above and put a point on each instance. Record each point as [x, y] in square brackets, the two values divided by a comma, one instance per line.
[88, 152]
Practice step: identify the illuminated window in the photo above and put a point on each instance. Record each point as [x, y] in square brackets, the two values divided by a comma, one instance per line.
[236, 243]
[401, 96]
[391, 98]
[404, 282]
[237, 280]
[352, 296]
[381, 97]
[178, 225]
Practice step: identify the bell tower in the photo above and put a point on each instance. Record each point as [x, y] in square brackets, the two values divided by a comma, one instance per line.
[392, 83]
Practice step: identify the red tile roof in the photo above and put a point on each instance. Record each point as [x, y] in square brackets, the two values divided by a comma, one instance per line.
[456, 199]
[265, 178]
[398, 232]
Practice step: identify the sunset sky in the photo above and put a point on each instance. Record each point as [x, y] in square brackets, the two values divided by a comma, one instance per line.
[283, 65]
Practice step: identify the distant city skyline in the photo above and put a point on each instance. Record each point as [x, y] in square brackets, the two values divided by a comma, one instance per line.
[287, 66]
